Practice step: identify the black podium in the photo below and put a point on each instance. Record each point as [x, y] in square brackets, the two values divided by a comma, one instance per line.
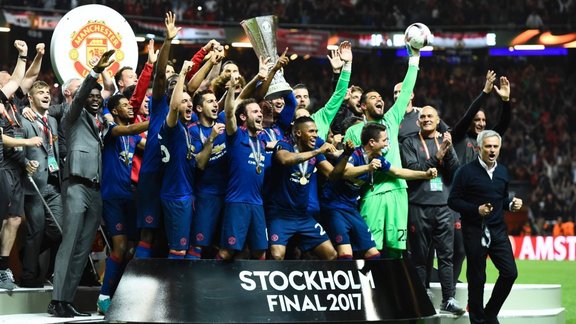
[210, 291]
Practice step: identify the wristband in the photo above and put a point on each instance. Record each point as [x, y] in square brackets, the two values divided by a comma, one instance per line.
[23, 57]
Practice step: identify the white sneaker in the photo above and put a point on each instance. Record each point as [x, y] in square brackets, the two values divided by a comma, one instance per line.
[7, 280]
[451, 307]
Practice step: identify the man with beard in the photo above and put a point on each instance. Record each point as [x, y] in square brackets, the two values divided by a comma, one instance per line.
[82, 177]
[209, 142]
[349, 108]
[244, 220]
[294, 162]
[385, 208]
[148, 191]
[177, 193]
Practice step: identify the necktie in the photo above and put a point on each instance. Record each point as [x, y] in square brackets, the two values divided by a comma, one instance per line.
[45, 125]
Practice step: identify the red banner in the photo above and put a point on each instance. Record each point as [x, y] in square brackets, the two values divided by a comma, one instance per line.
[544, 247]
[311, 42]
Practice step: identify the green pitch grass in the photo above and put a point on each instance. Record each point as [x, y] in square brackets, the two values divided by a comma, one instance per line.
[542, 272]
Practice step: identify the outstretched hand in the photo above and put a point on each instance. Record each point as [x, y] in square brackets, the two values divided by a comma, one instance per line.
[490, 78]
[504, 90]
[171, 29]
[345, 51]
[335, 61]
[105, 61]
[152, 54]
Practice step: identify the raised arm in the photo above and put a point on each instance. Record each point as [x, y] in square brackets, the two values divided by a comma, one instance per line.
[461, 127]
[325, 115]
[109, 86]
[87, 85]
[506, 113]
[200, 76]
[249, 90]
[34, 69]
[18, 74]
[176, 100]
[398, 109]
[338, 170]
[280, 63]
[159, 86]
[230, 109]
[144, 79]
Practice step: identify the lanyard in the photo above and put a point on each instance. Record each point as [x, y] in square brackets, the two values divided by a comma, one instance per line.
[303, 167]
[271, 134]
[188, 143]
[255, 153]
[425, 147]
[47, 128]
[371, 173]
[126, 147]
[7, 115]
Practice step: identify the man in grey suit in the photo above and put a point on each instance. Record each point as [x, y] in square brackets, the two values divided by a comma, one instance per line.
[84, 128]
[42, 165]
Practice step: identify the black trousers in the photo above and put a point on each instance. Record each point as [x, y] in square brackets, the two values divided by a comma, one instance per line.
[500, 252]
[433, 226]
[42, 231]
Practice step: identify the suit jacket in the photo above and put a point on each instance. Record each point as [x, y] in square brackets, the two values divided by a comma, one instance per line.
[83, 140]
[40, 154]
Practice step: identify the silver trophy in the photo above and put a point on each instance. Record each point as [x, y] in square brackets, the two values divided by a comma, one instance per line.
[262, 34]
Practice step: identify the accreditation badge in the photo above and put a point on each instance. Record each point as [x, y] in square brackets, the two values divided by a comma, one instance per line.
[436, 184]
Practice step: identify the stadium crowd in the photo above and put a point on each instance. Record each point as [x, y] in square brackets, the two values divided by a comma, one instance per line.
[324, 161]
[366, 13]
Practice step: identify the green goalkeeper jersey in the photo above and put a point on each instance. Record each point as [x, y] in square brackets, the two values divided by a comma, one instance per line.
[325, 115]
[383, 181]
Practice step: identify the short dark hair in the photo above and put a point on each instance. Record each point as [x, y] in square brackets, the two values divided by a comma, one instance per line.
[114, 101]
[371, 131]
[129, 91]
[300, 86]
[241, 109]
[365, 93]
[118, 74]
[302, 120]
[198, 98]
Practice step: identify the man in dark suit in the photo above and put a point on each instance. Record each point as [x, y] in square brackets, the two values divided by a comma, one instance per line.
[84, 128]
[480, 195]
[42, 165]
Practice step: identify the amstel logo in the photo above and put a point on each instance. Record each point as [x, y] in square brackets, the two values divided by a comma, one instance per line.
[97, 38]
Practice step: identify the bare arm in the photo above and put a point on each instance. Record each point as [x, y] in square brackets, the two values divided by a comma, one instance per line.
[34, 69]
[132, 129]
[200, 76]
[18, 74]
[249, 89]
[109, 86]
[159, 85]
[408, 174]
[172, 118]
[230, 110]
[287, 158]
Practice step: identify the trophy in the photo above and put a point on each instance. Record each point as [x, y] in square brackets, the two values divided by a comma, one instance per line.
[262, 34]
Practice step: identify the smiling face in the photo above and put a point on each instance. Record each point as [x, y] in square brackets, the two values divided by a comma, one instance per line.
[253, 117]
[490, 150]
[208, 108]
[428, 120]
[307, 133]
[124, 110]
[94, 101]
[373, 106]
[39, 99]
[479, 122]
[379, 144]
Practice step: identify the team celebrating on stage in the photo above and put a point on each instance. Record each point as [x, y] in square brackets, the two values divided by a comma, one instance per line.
[221, 169]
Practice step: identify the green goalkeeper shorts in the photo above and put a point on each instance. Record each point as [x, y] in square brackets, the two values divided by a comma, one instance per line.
[387, 212]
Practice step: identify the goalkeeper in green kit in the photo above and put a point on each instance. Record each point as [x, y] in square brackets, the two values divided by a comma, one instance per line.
[384, 205]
